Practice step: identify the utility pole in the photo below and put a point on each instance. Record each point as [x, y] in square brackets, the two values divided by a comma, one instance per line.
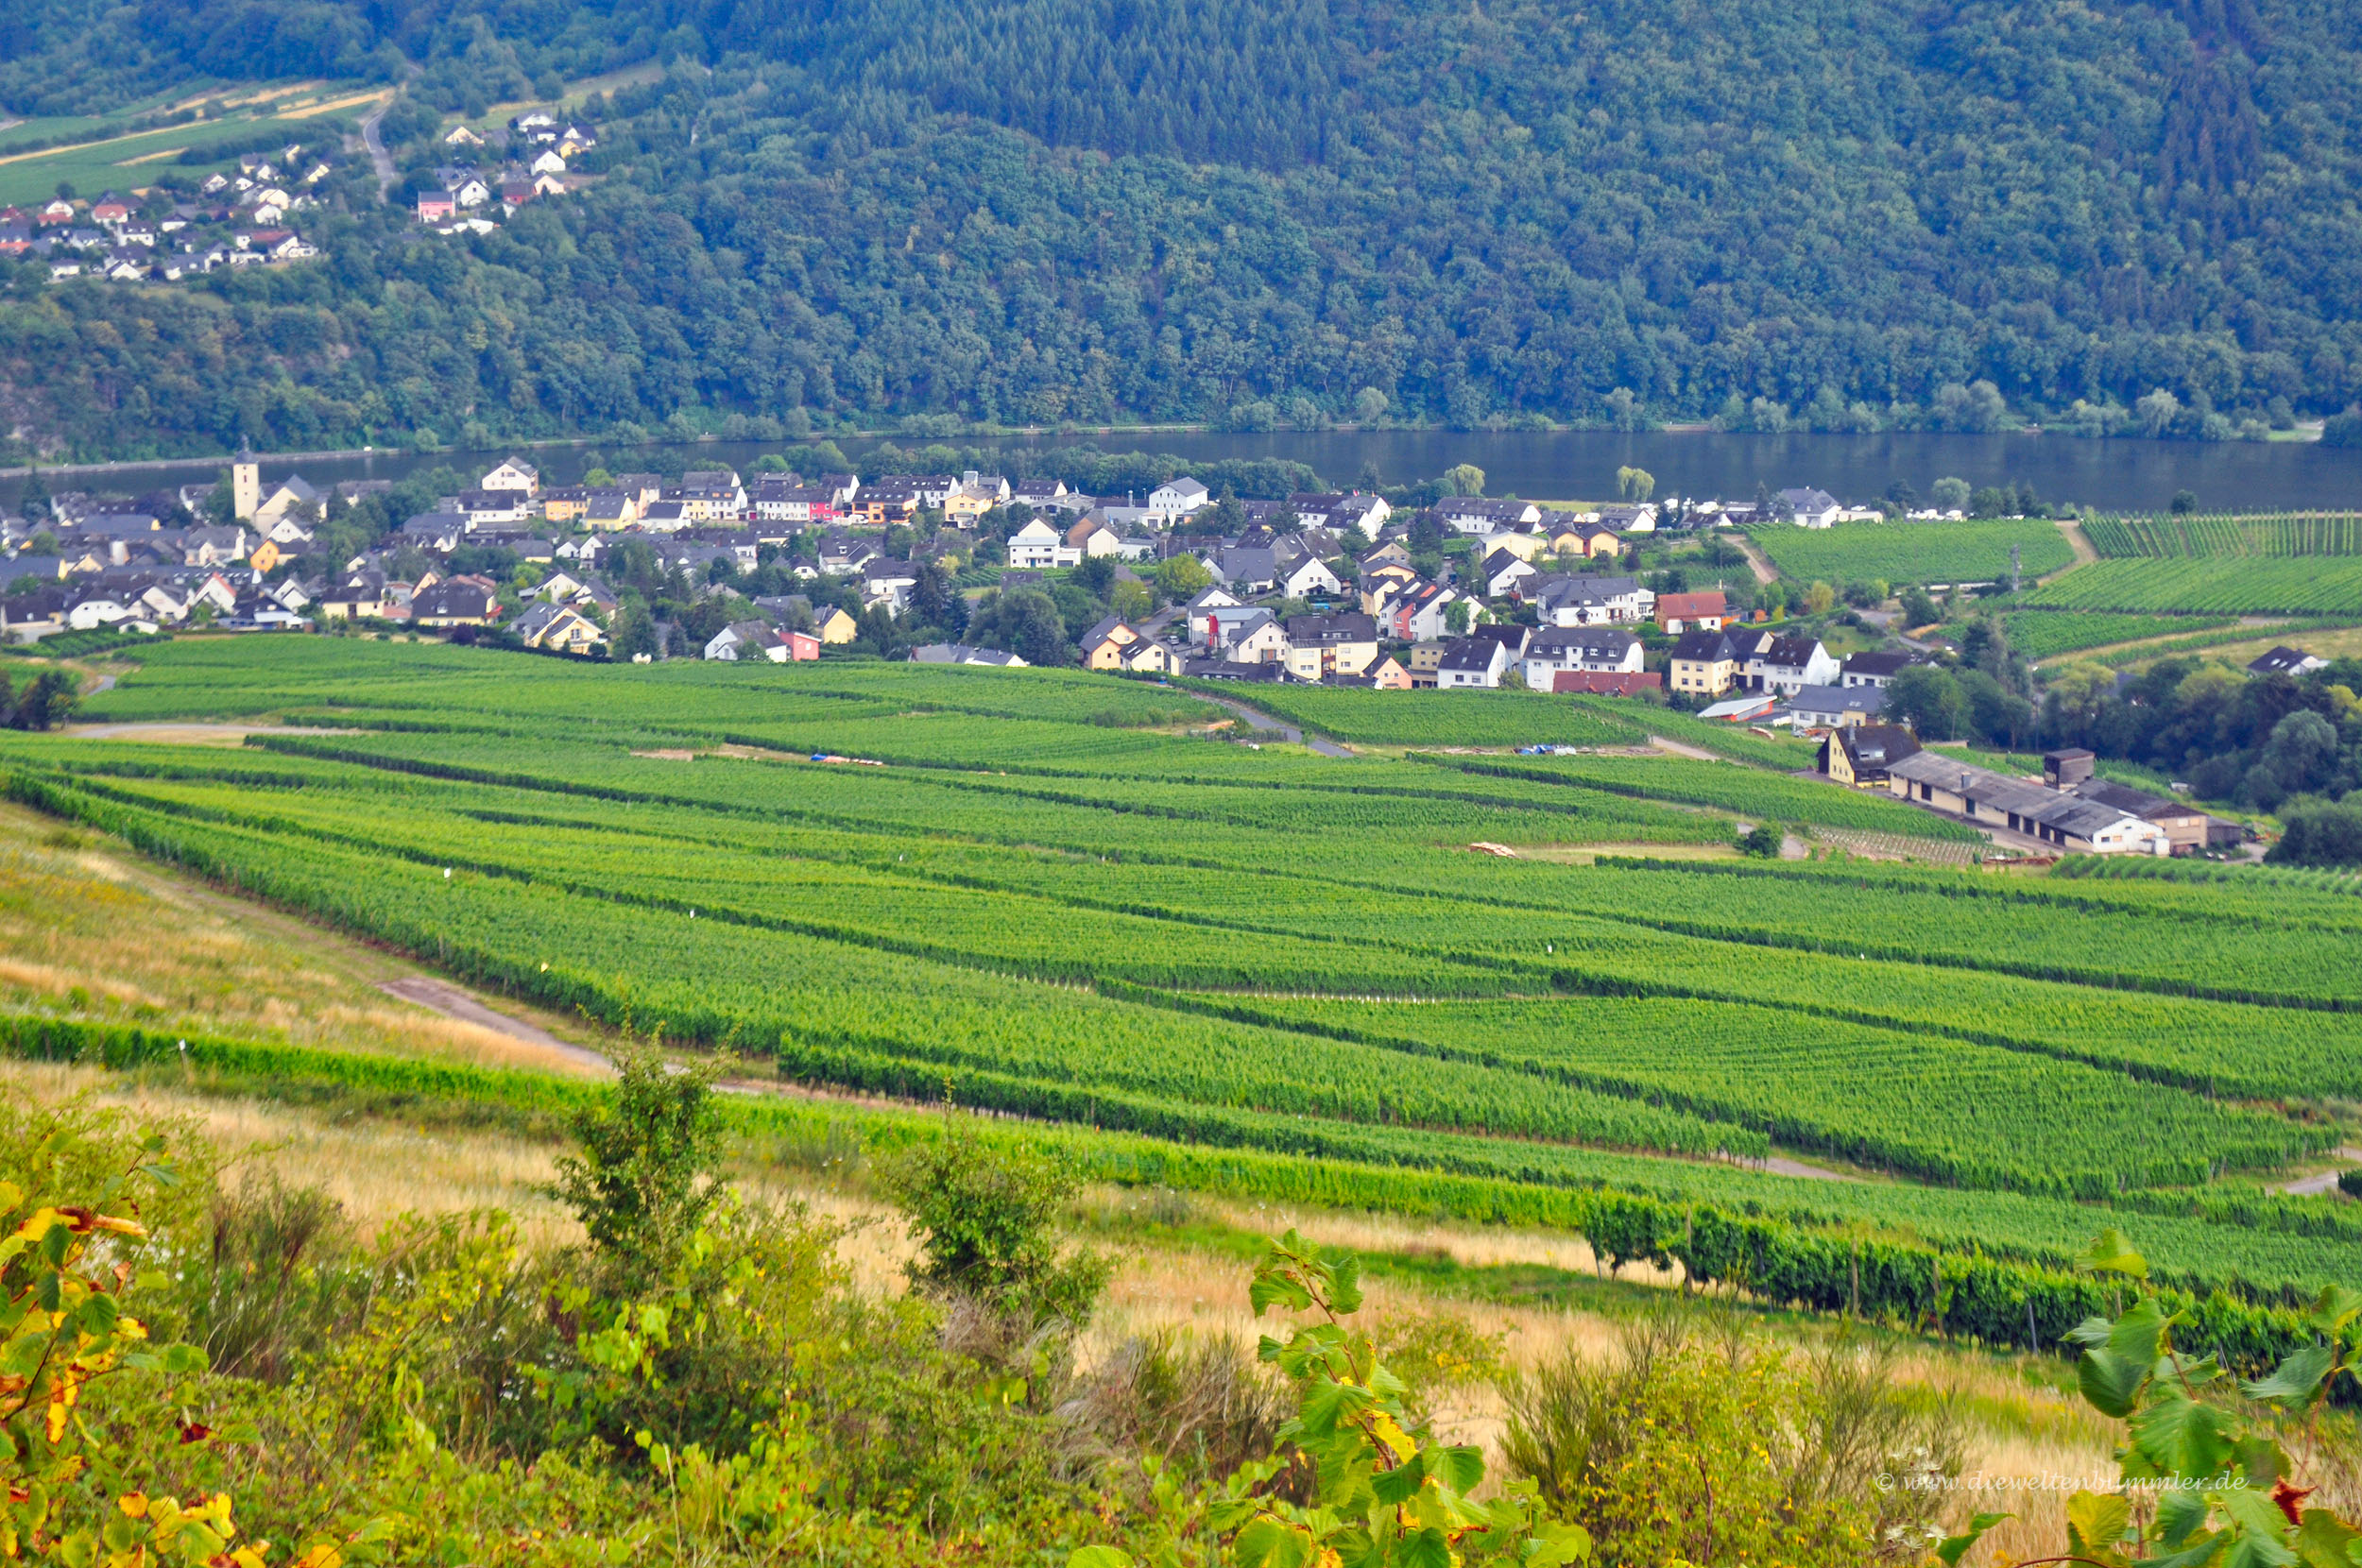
[2013, 571]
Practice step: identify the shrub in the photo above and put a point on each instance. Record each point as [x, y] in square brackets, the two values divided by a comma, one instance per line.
[983, 1219]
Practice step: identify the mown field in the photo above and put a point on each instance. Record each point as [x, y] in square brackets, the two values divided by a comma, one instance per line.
[1050, 900]
[2209, 585]
[2245, 534]
[1900, 553]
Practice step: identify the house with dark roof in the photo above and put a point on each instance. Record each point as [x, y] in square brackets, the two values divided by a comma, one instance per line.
[2285, 660]
[1561, 650]
[1876, 668]
[1860, 754]
[1835, 707]
[1472, 661]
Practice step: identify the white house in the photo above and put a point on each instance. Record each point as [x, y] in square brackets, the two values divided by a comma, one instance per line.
[1600, 651]
[1037, 546]
[1785, 664]
[1472, 661]
[1176, 499]
[1589, 601]
[1476, 514]
[1502, 570]
[513, 474]
[1810, 508]
[1308, 576]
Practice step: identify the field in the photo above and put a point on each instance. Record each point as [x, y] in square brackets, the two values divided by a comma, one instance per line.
[2045, 634]
[1905, 553]
[1050, 900]
[2267, 534]
[95, 154]
[2278, 586]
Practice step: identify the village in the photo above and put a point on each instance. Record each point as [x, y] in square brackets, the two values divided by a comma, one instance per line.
[1339, 589]
[248, 218]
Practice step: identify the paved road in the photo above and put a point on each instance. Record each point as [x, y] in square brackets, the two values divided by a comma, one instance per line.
[379, 158]
[1265, 724]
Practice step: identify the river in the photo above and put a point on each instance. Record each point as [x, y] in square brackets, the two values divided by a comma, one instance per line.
[2117, 475]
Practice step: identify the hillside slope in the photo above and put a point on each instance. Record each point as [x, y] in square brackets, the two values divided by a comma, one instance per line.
[1836, 216]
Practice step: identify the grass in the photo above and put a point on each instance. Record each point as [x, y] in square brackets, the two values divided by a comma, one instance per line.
[86, 928]
[1180, 1266]
[119, 159]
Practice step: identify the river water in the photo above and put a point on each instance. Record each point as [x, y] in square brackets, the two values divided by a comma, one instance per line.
[2117, 474]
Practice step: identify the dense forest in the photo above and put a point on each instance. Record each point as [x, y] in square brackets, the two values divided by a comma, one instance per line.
[1859, 215]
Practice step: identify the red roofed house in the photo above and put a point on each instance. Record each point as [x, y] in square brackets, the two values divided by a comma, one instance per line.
[1604, 683]
[60, 211]
[1691, 612]
[110, 208]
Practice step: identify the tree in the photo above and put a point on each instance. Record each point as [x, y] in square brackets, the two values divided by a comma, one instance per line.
[1950, 494]
[648, 1168]
[2184, 502]
[1762, 842]
[983, 1216]
[1369, 405]
[1182, 577]
[44, 704]
[1929, 699]
[1634, 485]
[1818, 598]
[2318, 833]
[1464, 479]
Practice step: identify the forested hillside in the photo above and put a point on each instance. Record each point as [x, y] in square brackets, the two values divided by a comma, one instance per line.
[1839, 215]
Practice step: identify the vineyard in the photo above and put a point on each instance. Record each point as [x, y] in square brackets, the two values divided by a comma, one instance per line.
[2046, 634]
[1900, 553]
[2267, 534]
[1055, 900]
[2211, 586]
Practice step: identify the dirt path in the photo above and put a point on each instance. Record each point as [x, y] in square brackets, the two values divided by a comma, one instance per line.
[1757, 562]
[171, 733]
[1679, 749]
[2315, 1186]
[439, 995]
[1267, 724]
[2084, 554]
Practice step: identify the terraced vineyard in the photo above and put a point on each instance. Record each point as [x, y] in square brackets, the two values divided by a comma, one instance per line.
[1054, 900]
[2246, 534]
[2045, 634]
[2209, 585]
[1969, 550]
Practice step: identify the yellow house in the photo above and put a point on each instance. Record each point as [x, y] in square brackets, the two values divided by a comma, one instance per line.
[1524, 546]
[963, 506]
[567, 505]
[266, 556]
[834, 626]
[1702, 662]
[1105, 645]
[1586, 538]
[1150, 658]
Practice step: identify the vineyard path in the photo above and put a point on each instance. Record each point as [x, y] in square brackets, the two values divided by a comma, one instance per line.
[452, 1001]
[1265, 723]
[2072, 529]
[1765, 572]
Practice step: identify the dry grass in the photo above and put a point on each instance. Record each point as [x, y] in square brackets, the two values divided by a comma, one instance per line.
[2023, 1427]
[90, 930]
